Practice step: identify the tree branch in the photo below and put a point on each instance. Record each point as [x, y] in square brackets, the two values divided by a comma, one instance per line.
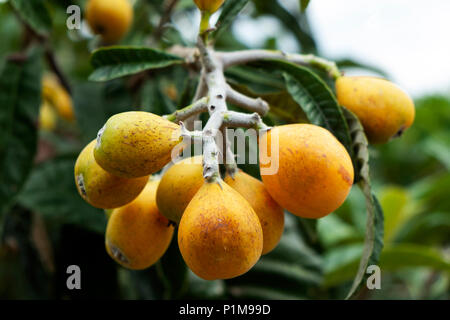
[183, 114]
[232, 119]
[255, 105]
[230, 59]
[169, 7]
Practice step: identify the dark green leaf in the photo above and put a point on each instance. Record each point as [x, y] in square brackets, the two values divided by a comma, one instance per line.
[341, 263]
[51, 191]
[257, 79]
[407, 255]
[230, 10]
[297, 24]
[291, 269]
[114, 62]
[174, 271]
[34, 13]
[261, 293]
[316, 99]
[96, 102]
[20, 98]
[373, 242]
[426, 228]
[282, 106]
[204, 289]
[349, 63]
[154, 101]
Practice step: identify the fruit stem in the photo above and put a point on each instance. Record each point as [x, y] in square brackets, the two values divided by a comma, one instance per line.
[204, 25]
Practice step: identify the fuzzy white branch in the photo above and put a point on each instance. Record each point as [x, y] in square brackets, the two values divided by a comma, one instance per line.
[197, 107]
[232, 119]
[230, 59]
[229, 158]
[254, 105]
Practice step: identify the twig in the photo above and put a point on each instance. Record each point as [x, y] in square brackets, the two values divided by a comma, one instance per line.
[228, 154]
[232, 119]
[230, 59]
[169, 6]
[51, 60]
[255, 105]
[189, 111]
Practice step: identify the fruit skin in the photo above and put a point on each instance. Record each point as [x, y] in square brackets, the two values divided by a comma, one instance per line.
[63, 104]
[47, 117]
[100, 188]
[137, 235]
[135, 144]
[270, 214]
[219, 236]
[384, 109]
[315, 172]
[54, 94]
[109, 18]
[178, 186]
[210, 6]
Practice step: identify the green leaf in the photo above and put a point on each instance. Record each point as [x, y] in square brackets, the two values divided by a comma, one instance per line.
[261, 293]
[95, 103]
[34, 13]
[359, 145]
[154, 100]
[349, 64]
[396, 203]
[341, 263]
[20, 98]
[407, 255]
[282, 106]
[426, 228]
[204, 289]
[297, 24]
[174, 271]
[258, 80]
[51, 191]
[316, 99]
[115, 62]
[373, 242]
[333, 230]
[230, 10]
[291, 269]
[304, 4]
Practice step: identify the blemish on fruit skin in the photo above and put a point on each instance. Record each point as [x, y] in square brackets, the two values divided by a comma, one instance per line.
[115, 251]
[400, 132]
[99, 136]
[345, 175]
[81, 185]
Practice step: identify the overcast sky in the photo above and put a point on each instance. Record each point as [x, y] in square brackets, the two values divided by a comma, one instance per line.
[410, 39]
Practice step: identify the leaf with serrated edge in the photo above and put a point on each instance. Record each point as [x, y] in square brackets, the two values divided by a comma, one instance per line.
[373, 242]
[115, 62]
[20, 99]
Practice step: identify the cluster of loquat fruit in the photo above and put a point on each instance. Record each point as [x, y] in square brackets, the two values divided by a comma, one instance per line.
[225, 225]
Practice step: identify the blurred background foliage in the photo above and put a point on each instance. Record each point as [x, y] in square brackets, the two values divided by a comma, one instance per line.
[46, 226]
